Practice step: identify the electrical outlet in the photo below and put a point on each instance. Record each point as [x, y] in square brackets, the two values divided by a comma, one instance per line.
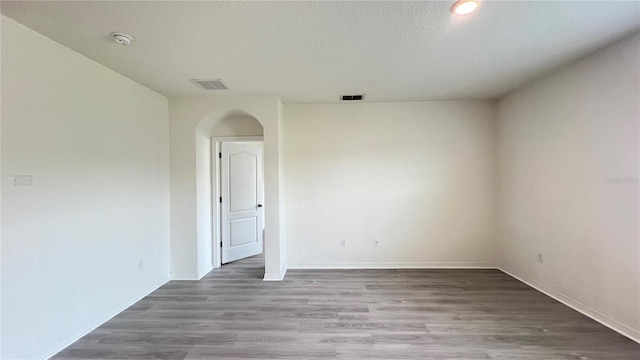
[540, 259]
[376, 242]
[343, 243]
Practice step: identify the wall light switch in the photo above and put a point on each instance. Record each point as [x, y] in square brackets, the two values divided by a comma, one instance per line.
[21, 180]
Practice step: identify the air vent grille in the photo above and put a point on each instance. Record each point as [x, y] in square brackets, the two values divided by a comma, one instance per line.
[216, 84]
[358, 97]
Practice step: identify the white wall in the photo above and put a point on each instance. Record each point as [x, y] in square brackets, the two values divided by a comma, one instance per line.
[282, 212]
[237, 125]
[190, 185]
[96, 144]
[568, 175]
[1, 182]
[418, 176]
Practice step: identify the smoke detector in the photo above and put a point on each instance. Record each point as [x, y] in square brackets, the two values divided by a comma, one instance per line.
[122, 39]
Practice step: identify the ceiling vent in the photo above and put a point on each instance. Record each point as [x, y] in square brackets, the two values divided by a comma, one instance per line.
[358, 97]
[216, 84]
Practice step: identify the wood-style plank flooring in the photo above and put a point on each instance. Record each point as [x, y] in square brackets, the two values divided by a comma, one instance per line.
[351, 314]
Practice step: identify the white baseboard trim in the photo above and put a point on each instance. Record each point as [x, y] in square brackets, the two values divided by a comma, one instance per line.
[70, 339]
[603, 319]
[184, 276]
[205, 272]
[394, 265]
[274, 276]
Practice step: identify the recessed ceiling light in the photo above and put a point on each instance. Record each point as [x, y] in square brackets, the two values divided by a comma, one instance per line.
[464, 7]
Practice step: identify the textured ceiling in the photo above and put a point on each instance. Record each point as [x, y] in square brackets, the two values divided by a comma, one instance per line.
[311, 52]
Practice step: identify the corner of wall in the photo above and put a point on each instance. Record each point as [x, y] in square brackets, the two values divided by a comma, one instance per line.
[598, 316]
[567, 185]
[275, 276]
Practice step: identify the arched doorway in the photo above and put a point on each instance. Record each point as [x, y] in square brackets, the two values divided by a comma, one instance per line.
[191, 120]
[224, 125]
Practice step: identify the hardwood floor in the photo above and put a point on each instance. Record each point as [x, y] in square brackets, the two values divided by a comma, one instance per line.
[351, 314]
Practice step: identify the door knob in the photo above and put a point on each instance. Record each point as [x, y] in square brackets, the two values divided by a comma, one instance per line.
[259, 205]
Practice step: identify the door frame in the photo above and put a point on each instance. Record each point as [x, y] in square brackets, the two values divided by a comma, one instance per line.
[216, 191]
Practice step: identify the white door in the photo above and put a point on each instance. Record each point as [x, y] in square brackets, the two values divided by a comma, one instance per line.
[242, 214]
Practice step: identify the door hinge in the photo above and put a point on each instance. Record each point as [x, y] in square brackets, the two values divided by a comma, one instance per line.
[219, 155]
[220, 243]
[220, 198]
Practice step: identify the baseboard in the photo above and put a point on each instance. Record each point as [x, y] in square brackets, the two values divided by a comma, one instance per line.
[184, 276]
[70, 339]
[603, 319]
[205, 272]
[393, 265]
[274, 276]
